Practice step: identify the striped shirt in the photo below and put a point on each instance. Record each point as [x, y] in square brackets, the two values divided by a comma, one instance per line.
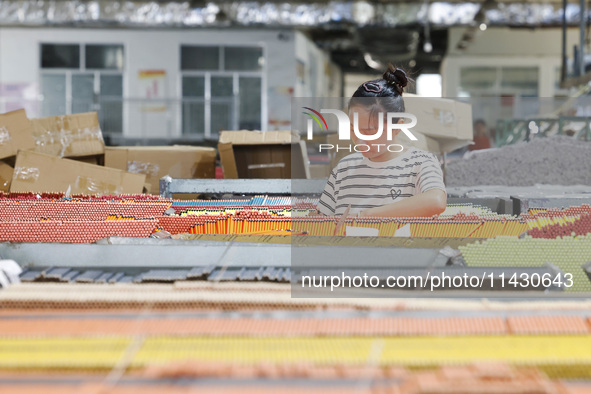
[365, 184]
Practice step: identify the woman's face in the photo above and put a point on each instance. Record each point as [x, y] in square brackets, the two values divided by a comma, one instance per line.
[369, 125]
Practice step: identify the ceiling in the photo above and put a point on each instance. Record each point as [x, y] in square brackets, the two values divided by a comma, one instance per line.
[358, 34]
[354, 50]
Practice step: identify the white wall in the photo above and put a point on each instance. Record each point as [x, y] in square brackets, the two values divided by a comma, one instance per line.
[152, 50]
[321, 77]
[508, 47]
[353, 81]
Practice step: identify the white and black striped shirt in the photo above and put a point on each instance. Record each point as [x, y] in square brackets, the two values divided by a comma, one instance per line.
[365, 184]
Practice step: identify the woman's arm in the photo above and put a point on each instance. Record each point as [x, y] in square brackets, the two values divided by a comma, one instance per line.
[432, 202]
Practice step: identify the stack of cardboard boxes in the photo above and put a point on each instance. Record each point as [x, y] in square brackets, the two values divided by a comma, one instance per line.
[443, 125]
[157, 161]
[66, 153]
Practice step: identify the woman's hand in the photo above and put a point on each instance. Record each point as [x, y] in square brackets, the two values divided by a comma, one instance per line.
[366, 212]
[432, 202]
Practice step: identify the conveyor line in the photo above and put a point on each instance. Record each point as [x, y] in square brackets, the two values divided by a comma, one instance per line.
[557, 355]
[156, 325]
[496, 278]
[310, 240]
[170, 186]
[158, 253]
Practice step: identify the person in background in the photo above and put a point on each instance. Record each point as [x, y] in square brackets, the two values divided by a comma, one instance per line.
[481, 137]
[381, 183]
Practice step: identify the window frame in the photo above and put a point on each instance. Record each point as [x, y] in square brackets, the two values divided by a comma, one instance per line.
[80, 55]
[96, 72]
[497, 88]
[83, 49]
[207, 99]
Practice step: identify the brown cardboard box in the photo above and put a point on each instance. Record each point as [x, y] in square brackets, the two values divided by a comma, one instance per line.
[68, 135]
[440, 118]
[320, 171]
[423, 142]
[147, 188]
[97, 160]
[15, 133]
[443, 125]
[257, 154]
[6, 172]
[157, 161]
[38, 172]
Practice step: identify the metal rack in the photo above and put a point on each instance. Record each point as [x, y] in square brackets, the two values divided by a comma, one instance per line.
[511, 131]
[170, 186]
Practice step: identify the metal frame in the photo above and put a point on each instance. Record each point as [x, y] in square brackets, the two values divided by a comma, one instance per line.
[169, 186]
[499, 205]
[516, 130]
[521, 204]
[225, 260]
[497, 87]
[170, 253]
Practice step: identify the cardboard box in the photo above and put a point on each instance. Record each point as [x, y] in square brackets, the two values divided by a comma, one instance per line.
[441, 118]
[15, 133]
[6, 173]
[320, 171]
[148, 189]
[443, 125]
[38, 172]
[423, 142]
[256, 154]
[97, 160]
[157, 161]
[68, 135]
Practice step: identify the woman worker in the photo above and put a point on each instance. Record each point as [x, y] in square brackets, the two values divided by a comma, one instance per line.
[382, 182]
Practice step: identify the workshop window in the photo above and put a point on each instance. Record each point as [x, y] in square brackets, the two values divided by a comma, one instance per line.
[221, 89]
[104, 57]
[60, 56]
[243, 59]
[79, 78]
[517, 81]
[200, 58]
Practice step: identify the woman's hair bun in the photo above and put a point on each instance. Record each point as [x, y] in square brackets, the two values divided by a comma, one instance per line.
[396, 77]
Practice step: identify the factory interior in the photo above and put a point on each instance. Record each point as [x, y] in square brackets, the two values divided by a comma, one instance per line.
[346, 196]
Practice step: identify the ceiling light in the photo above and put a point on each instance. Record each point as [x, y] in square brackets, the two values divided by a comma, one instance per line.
[371, 62]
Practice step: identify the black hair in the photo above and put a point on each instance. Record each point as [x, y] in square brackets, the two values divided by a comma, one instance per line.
[387, 91]
[479, 121]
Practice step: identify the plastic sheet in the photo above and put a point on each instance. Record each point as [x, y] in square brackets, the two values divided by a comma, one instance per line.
[141, 167]
[66, 138]
[29, 174]
[68, 135]
[4, 135]
[96, 187]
